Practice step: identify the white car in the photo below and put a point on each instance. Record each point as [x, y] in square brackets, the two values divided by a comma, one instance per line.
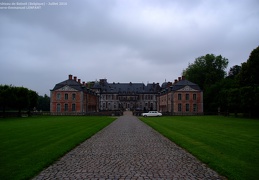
[152, 113]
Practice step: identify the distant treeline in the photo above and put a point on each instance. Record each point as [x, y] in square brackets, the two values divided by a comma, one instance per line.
[235, 92]
[21, 99]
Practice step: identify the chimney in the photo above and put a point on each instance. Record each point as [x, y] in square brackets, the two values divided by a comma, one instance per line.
[175, 81]
[75, 78]
[179, 78]
[70, 76]
[183, 77]
[79, 80]
[169, 84]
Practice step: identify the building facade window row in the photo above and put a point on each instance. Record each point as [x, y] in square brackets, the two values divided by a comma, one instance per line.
[71, 95]
[66, 107]
[187, 96]
[187, 107]
[66, 96]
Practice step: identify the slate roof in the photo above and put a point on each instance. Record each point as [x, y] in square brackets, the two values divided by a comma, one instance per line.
[181, 84]
[126, 87]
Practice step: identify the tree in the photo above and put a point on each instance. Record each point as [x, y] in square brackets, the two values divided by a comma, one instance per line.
[248, 79]
[33, 100]
[4, 97]
[17, 98]
[206, 71]
[234, 71]
[44, 103]
[249, 74]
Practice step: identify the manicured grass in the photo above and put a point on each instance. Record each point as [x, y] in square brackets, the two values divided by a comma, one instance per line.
[27, 145]
[228, 145]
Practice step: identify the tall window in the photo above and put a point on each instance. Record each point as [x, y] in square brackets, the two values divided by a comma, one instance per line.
[58, 96]
[187, 107]
[58, 108]
[194, 107]
[73, 96]
[187, 96]
[179, 96]
[66, 96]
[194, 97]
[73, 107]
[66, 107]
[179, 107]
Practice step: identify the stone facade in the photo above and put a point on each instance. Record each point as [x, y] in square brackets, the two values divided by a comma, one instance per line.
[121, 96]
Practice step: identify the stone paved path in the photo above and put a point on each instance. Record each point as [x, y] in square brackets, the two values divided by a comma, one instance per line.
[128, 149]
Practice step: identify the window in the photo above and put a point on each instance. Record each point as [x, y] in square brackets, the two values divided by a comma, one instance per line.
[73, 107]
[194, 97]
[73, 96]
[187, 96]
[58, 107]
[58, 96]
[187, 107]
[194, 107]
[179, 107]
[179, 96]
[66, 96]
[66, 107]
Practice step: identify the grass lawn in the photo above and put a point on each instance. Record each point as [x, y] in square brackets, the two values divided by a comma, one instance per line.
[228, 145]
[30, 144]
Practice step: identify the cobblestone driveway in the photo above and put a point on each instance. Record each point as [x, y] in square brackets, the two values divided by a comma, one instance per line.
[128, 149]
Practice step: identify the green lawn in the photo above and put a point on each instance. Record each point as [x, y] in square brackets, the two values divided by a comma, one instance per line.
[27, 145]
[228, 145]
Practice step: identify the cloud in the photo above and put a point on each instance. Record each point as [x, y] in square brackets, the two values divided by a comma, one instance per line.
[137, 41]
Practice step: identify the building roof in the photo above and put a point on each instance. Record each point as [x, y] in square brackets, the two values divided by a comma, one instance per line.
[106, 87]
[71, 83]
[181, 84]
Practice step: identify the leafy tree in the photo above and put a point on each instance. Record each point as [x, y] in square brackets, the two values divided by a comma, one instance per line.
[44, 103]
[207, 71]
[4, 97]
[249, 74]
[18, 98]
[33, 100]
[248, 79]
[234, 71]
[21, 100]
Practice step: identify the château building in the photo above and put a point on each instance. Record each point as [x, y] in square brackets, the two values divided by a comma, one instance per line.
[181, 98]
[121, 96]
[72, 96]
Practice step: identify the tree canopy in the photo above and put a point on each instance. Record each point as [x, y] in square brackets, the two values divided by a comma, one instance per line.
[17, 98]
[206, 70]
[237, 92]
[249, 74]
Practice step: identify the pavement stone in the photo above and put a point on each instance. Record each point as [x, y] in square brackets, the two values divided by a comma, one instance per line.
[128, 149]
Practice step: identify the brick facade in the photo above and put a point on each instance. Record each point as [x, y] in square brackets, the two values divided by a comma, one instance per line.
[182, 98]
[72, 96]
[178, 98]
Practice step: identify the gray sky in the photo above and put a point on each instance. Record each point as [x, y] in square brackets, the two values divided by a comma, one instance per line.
[121, 40]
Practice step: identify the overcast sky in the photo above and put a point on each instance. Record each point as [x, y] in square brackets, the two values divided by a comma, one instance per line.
[120, 40]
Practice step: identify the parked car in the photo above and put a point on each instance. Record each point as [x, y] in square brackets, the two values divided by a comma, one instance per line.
[152, 113]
